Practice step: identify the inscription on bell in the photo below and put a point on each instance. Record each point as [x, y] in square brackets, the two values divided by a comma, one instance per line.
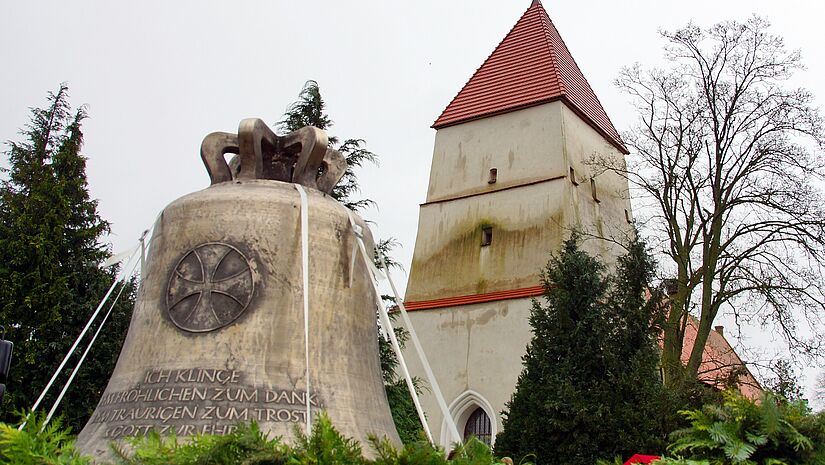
[210, 287]
[190, 401]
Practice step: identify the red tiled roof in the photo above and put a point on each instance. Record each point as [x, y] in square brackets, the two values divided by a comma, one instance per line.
[529, 67]
[719, 362]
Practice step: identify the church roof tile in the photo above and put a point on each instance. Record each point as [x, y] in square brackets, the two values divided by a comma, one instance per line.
[530, 66]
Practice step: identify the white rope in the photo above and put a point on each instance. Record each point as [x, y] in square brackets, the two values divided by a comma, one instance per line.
[305, 292]
[423, 357]
[386, 323]
[120, 257]
[88, 348]
[76, 342]
[143, 253]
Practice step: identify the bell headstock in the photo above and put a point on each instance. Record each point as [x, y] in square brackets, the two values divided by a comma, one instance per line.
[300, 157]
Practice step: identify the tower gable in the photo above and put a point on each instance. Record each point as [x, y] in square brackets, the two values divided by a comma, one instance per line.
[530, 66]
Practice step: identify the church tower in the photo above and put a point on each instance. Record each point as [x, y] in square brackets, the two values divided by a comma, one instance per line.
[508, 182]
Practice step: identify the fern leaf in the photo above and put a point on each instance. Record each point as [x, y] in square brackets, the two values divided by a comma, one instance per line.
[739, 451]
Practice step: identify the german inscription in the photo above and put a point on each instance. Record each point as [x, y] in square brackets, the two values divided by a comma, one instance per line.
[197, 400]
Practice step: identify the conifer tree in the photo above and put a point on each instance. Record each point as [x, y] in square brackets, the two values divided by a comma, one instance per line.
[309, 110]
[785, 384]
[50, 265]
[590, 387]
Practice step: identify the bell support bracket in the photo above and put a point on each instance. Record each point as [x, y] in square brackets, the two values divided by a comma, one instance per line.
[213, 150]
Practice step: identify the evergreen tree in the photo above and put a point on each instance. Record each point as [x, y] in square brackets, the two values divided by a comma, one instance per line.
[309, 110]
[50, 258]
[785, 385]
[590, 387]
[401, 403]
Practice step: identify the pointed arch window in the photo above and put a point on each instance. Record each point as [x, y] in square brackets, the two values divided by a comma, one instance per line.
[479, 425]
[472, 414]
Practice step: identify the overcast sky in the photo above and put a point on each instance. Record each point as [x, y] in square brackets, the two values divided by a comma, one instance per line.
[158, 76]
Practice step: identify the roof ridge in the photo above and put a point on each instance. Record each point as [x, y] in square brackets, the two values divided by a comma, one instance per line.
[545, 18]
[530, 66]
[576, 64]
[490, 55]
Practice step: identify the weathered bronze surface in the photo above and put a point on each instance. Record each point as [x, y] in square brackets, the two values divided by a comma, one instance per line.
[217, 334]
[300, 157]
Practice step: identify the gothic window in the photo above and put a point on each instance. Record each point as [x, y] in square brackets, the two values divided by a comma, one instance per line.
[479, 425]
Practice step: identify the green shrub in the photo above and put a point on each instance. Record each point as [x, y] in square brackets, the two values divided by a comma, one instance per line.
[325, 445]
[39, 445]
[473, 452]
[246, 445]
[741, 431]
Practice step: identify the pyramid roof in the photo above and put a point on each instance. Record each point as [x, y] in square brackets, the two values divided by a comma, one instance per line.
[530, 66]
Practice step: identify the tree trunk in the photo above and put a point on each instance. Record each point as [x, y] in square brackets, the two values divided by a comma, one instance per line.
[673, 336]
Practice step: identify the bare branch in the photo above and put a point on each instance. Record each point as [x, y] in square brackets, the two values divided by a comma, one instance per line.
[725, 160]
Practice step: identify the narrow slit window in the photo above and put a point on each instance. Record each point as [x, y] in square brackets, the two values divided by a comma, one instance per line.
[573, 176]
[493, 176]
[593, 190]
[627, 216]
[486, 235]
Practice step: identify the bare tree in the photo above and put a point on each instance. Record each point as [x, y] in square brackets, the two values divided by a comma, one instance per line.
[725, 166]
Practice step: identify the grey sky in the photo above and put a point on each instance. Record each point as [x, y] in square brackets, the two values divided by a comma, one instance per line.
[158, 76]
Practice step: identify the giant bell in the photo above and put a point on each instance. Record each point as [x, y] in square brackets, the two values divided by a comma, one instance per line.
[218, 336]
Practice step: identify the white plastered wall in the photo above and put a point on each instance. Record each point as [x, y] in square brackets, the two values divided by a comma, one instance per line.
[524, 146]
[475, 354]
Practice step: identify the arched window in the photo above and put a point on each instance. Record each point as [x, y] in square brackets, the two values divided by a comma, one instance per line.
[478, 425]
[473, 415]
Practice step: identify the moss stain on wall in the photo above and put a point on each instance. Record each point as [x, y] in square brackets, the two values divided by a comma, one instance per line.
[463, 267]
